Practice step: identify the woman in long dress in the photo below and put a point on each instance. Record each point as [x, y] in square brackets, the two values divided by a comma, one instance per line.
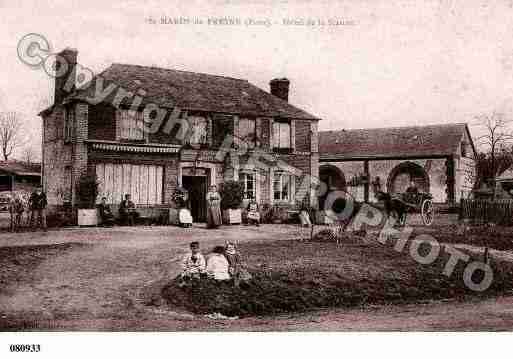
[213, 208]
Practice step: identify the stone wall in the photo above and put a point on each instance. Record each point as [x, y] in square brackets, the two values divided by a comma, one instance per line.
[465, 177]
[435, 168]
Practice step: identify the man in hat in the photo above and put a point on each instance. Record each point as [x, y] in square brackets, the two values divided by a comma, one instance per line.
[127, 211]
[37, 204]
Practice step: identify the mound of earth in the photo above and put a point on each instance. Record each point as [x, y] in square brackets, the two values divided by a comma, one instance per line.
[295, 277]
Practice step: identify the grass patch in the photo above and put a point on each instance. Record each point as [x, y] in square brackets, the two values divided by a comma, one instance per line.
[290, 276]
[495, 237]
[18, 262]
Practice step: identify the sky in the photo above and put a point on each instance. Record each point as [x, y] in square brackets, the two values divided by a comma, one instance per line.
[393, 63]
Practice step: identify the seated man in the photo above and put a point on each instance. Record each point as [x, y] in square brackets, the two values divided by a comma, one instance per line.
[411, 192]
[107, 218]
[127, 211]
[253, 213]
[412, 188]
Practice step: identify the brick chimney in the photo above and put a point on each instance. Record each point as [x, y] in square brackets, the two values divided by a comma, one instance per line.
[280, 88]
[65, 84]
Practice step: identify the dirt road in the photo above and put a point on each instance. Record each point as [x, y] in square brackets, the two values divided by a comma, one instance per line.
[107, 282]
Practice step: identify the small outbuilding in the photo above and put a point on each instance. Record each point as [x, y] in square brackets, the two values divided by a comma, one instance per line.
[19, 176]
[438, 158]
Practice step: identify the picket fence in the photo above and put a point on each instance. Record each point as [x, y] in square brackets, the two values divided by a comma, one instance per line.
[485, 211]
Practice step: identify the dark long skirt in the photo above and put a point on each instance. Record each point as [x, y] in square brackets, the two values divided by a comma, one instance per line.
[213, 216]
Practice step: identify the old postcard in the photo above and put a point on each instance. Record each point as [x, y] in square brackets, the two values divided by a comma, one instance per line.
[291, 166]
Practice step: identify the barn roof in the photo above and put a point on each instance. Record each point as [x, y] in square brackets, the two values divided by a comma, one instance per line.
[20, 168]
[192, 91]
[414, 141]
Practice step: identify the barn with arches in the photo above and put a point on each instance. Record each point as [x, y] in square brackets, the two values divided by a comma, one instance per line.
[438, 158]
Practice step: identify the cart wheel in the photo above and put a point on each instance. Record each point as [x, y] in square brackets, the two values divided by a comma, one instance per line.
[427, 212]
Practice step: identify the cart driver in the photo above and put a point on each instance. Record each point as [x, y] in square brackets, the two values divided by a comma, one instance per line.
[412, 188]
[411, 192]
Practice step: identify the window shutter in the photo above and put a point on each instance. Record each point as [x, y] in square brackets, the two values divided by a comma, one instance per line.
[223, 125]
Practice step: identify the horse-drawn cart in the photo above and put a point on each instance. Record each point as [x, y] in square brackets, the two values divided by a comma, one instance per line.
[419, 202]
[400, 204]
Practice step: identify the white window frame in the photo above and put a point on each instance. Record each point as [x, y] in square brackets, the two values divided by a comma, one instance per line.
[250, 143]
[132, 125]
[193, 121]
[281, 182]
[277, 138]
[243, 177]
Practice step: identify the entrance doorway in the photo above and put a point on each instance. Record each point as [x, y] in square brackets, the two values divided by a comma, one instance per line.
[197, 187]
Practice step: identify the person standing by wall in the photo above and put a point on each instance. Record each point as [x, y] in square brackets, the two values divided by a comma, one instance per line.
[16, 210]
[37, 203]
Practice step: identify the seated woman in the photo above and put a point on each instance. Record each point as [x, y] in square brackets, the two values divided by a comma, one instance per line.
[217, 265]
[253, 213]
[236, 267]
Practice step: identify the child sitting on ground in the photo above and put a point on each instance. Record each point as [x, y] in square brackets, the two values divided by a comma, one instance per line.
[217, 265]
[193, 264]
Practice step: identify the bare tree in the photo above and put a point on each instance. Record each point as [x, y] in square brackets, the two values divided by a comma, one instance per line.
[10, 133]
[496, 139]
[29, 155]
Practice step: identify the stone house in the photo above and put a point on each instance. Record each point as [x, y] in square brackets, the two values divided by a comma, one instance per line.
[439, 158]
[146, 130]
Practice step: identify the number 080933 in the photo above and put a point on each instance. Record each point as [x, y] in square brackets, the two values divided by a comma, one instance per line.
[24, 348]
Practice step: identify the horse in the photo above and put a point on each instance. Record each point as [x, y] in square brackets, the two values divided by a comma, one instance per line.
[394, 207]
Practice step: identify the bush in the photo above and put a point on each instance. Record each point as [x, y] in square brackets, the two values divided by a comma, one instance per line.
[232, 194]
[87, 191]
[180, 197]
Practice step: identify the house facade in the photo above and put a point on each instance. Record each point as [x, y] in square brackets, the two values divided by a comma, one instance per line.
[438, 158]
[146, 130]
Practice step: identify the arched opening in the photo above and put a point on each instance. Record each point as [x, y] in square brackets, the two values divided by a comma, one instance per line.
[332, 179]
[400, 177]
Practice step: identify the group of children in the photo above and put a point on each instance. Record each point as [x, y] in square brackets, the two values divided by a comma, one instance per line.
[223, 264]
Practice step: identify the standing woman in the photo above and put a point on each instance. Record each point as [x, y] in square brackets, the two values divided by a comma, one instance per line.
[213, 208]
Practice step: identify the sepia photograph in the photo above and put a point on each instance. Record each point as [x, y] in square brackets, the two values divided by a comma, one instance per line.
[255, 166]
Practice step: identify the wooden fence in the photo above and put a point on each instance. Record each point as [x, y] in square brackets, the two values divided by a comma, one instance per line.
[484, 211]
